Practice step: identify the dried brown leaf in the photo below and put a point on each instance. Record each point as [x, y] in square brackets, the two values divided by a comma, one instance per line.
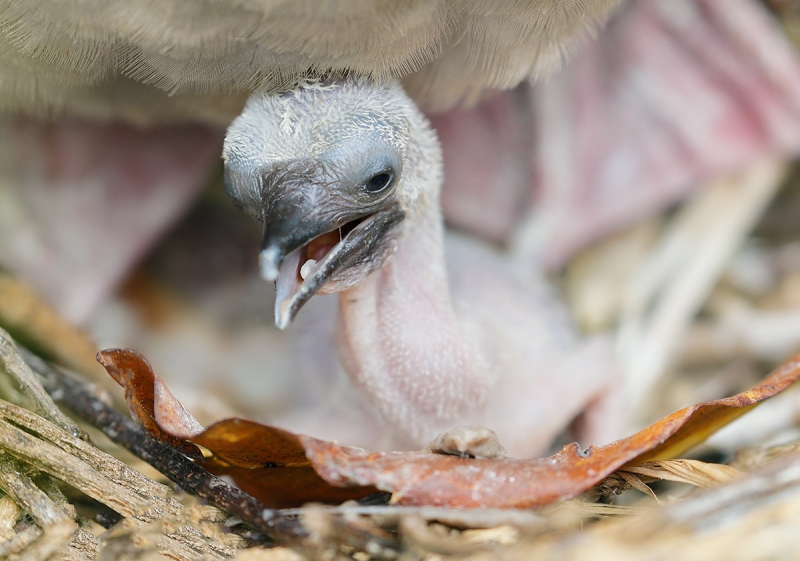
[132, 371]
[282, 468]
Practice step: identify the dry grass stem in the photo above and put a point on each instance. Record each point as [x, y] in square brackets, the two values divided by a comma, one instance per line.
[465, 518]
[753, 517]
[22, 374]
[74, 471]
[106, 465]
[749, 459]
[693, 472]
[637, 484]
[25, 493]
[674, 282]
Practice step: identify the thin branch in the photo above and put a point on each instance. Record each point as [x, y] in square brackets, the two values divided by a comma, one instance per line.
[26, 494]
[21, 373]
[285, 530]
[177, 467]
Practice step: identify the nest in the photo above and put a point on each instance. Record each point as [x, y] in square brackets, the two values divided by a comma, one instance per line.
[72, 488]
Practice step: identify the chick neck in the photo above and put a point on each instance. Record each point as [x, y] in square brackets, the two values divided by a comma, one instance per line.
[400, 339]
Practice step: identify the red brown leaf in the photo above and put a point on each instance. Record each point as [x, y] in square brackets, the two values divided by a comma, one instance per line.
[283, 469]
[267, 462]
[270, 464]
[132, 371]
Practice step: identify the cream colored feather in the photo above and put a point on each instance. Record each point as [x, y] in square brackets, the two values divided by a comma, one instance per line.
[79, 56]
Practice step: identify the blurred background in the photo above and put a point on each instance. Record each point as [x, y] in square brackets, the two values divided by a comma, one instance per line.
[652, 179]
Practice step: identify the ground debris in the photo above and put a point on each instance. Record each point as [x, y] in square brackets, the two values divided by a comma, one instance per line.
[37, 520]
[702, 509]
[465, 467]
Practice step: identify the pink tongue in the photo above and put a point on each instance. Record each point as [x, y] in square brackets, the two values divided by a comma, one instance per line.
[319, 252]
[319, 247]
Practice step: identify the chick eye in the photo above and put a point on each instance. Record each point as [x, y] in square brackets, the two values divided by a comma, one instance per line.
[379, 182]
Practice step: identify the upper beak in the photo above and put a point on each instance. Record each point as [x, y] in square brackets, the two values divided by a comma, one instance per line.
[284, 241]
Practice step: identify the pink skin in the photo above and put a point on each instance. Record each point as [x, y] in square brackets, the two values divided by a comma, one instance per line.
[402, 344]
[672, 93]
[485, 348]
[84, 201]
[486, 152]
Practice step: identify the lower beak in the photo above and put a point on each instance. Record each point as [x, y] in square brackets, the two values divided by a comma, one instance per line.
[359, 245]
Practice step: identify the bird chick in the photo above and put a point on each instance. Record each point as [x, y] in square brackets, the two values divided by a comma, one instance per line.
[345, 179]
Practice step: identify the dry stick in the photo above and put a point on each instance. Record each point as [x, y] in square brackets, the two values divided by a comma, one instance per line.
[191, 477]
[180, 469]
[58, 528]
[53, 460]
[83, 542]
[177, 467]
[20, 541]
[25, 492]
[9, 513]
[107, 466]
[21, 373]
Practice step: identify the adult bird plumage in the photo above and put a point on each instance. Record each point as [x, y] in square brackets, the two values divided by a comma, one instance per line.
[59, 56]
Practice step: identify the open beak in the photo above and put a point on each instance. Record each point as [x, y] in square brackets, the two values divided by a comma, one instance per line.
[302, 257]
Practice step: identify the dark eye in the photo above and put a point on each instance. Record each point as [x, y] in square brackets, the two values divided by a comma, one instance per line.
[379, 182]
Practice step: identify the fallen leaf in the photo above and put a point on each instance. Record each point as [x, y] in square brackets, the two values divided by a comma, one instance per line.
[283, 469]
[270, 464]
[266, 462]
[132, 371]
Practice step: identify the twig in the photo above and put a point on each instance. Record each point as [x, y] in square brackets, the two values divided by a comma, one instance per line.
[10, 512]
[21, 373]
[177, 467]
[20, 541]
[57, 526]
[104, 465]
[70, 469]
[25, 493]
